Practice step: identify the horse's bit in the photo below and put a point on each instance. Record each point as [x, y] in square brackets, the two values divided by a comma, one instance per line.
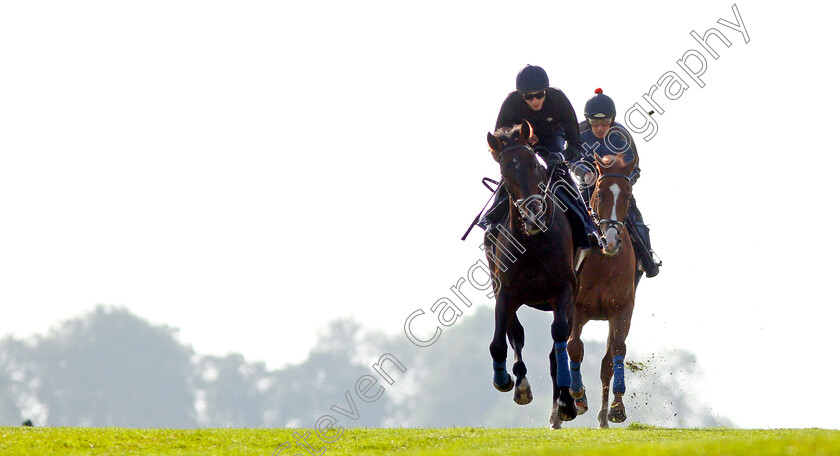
[619, 225]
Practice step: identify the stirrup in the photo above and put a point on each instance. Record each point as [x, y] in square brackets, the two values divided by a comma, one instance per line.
[652, 270]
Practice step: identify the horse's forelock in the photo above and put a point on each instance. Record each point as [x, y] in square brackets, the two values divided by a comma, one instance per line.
[507, 135]
[614, 162]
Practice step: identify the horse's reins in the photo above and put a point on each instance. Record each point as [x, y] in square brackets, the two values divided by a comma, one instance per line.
[478, 217]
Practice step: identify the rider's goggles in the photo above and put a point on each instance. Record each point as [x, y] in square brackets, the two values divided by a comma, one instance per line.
[531, 96]
[600, 122]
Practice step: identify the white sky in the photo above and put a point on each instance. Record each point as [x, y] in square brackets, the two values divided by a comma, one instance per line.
[246, 171]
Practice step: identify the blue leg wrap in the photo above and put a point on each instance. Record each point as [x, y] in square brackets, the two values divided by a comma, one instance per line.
[564, 378]
[500, 375]
[618, 375]
[577, 380]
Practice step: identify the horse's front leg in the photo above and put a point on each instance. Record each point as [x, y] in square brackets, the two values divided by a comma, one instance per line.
[498, 346]
[516, 335]
[576, 351]
[556, 422]
[564, 406]
[619, 328]
[606, 378]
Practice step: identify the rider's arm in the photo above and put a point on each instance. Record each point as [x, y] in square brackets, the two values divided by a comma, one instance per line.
[569, 122]
[634, 176]
[584, 166]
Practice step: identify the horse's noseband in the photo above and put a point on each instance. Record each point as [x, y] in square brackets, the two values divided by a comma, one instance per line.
[619, 225]
[523, 205]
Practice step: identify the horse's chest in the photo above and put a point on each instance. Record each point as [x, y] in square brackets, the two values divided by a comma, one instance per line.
[536, 279]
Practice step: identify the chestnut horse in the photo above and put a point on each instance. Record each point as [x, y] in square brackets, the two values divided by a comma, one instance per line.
[531, 256]
[606, 288]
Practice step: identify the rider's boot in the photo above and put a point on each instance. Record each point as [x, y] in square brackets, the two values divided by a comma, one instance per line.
[647, 255]
[640, 236]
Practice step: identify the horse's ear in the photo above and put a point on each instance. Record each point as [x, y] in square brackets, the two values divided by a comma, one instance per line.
[633, 163]
[627, 168]
[525, 132]
[495, 145]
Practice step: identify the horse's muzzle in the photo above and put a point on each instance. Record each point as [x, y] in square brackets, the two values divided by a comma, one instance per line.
[611, 241]
[532, 211]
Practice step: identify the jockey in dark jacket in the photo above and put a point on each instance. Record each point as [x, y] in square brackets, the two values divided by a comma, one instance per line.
[555, 125]
[601, 135]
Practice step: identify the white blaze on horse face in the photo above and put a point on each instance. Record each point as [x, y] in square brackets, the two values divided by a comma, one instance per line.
[612, 232]
[616, 190]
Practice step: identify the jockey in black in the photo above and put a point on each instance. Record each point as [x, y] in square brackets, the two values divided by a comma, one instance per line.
[554, 124]
[602, 135]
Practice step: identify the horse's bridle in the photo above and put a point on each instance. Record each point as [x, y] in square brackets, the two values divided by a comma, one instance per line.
[514, 147]
[522, 204]
[618, 224]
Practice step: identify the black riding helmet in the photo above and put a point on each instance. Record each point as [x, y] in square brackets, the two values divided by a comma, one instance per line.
[531, 79]
[599, 106]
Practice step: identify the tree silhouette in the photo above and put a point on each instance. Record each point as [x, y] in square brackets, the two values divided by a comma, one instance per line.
[111, 368]
[231, 391]
[302, 393]
[10, 413]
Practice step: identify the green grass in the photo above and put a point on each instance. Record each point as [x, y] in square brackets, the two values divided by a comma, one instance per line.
[630, 441]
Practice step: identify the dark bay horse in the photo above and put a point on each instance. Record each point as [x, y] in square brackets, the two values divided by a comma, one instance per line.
[531, 257]
[606, 288]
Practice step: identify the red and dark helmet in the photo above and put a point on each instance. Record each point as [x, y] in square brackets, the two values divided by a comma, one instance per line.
[599, 106]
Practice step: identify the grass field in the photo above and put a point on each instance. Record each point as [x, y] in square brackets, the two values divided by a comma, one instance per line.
[633, 440]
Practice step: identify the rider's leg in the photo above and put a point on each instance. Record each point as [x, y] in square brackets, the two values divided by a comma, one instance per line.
[641, 240]
[580, 207]
[567, 189]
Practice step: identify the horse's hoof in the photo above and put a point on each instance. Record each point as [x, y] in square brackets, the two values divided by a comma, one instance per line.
[506, 387]
[581, 402]
[602, 420]
[617, 413]
[523, 395]
[556, 422]
[566, 410]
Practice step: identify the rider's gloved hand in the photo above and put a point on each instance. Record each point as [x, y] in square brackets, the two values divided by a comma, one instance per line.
[573, 153]
[554, 158]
